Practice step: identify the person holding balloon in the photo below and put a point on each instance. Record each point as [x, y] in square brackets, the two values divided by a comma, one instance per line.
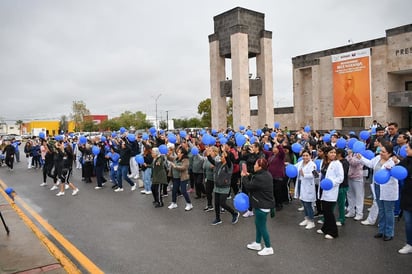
[99, 164]
[331, 177]
[180, 173]
[124, 164]
[386, 189]
[159, 176]
[222, 173]
[262, 200]
[305, 189]
[406, 197]
[146, 168]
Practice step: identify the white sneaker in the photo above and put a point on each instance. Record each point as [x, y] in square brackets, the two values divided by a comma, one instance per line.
[118, 189]
[143, 191]
[66, 186]
[319, 231]
[60, 193]
[406, 249]
[303, 223]
[43, 184]
[148, 192]
[134, 187]
[366, 222]
[301, 208]
[320, 221]
[266, 251]
[97, 187]
[54, 187]
[248, 213]
[188, 207]
[172, 206]
[74, 193]
[329, 237]
[310, 225]
[358, 218]
[349, 215]
[254, 246]
[136, 177]
[338, 223]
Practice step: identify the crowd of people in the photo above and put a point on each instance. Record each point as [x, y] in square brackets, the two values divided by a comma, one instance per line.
[217, 165]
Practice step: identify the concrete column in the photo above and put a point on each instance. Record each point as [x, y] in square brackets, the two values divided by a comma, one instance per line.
[265, 72]
[217, 74]
[240, 79]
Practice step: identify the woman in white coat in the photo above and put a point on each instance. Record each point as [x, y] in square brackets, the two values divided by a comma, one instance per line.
[386, 194]
[306, 190]
[331, 169]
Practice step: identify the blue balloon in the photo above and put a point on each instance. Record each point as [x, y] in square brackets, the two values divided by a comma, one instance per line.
[358, 147]
[161, 131]
[42, 135]
[145, 136]
[214, 131]
[307, 128]
[326, 184]
[368, 154]
[163, 149]
[341, 143]
[152, 130]
[171, 138]
[266, 147]
[241, 127]
[318, 162]
[254, 139]
[194, 151]
[276, 124]
[95, 150]
[114, 134]
[131, 137]
[103, 138]
[258, 132]
[364, 135]
[139, 159]
[273, 135]
[212, 141]
[223, 140]
[240, 140]
[326, 137]
[115, 157]
[297, 148]
[291, 171]
[351, 142]
[220, 135]
[183, 134]
[206, 139]
[122, 130]
[399, 172]
[241, 201]
[249, 133]
[402, 151]
[82, 140]
[382, 176]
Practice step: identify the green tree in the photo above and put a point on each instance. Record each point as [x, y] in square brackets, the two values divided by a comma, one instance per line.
[79, 111]
[110, 124]
[64, 124]
[205, 110]
[89, 126]
[19, 123]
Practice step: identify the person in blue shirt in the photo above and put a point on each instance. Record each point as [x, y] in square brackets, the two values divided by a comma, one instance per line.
[16, 144]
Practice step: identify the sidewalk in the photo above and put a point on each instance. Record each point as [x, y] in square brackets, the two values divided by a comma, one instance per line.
[22, 251]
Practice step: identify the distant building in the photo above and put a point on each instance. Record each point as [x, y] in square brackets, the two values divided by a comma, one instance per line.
[50, 127]
[9, 128]
[96, 119]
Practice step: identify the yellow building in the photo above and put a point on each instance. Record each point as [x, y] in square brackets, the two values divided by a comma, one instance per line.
[50, 128]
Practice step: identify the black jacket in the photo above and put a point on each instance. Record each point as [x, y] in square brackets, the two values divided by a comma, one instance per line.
[260, 187]
[406, 194]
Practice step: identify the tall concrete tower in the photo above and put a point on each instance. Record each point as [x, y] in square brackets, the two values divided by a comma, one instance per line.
[240, 35]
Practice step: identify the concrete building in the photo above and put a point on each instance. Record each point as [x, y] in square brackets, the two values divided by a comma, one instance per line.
[386, 85]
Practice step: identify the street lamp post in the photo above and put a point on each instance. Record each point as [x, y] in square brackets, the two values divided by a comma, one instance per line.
[157, 98]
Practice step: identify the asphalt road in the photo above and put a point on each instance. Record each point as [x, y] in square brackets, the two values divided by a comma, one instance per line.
[123, 233]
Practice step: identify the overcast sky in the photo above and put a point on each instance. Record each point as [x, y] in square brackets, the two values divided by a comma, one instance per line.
[120, 55]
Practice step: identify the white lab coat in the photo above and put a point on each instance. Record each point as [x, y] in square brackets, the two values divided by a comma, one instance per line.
[307, 182]
[335, 174]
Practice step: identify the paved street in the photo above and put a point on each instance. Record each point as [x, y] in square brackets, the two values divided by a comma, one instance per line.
[123, 233]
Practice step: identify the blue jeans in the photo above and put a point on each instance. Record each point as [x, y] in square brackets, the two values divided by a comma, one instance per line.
[113, 175]
[308, 210]
[122, 172]
[386, 215]
[408, 226]
[147, 179]
[182, 185]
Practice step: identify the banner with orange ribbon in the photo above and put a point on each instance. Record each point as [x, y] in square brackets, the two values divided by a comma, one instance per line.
[351, 84]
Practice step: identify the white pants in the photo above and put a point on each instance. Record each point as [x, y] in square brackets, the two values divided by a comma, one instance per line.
[356, 196]
[29, 159]
[373, 213]
[134, 168]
